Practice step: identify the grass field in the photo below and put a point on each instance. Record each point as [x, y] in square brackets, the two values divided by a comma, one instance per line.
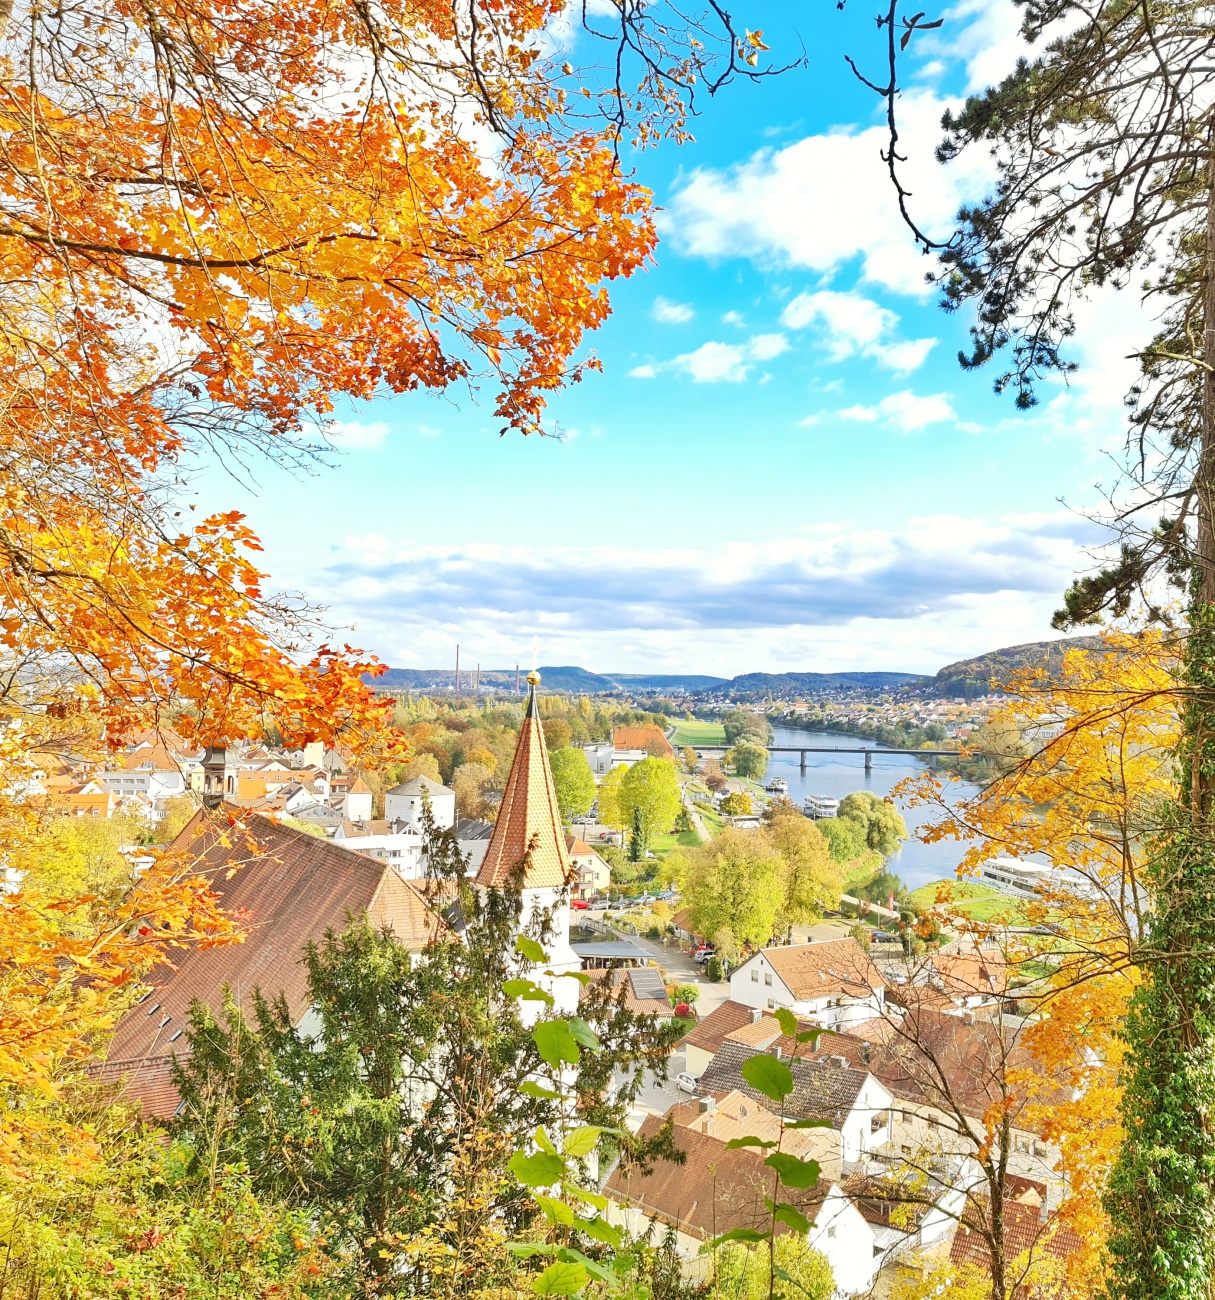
[979, 902]
[695, 732]
[663, 844]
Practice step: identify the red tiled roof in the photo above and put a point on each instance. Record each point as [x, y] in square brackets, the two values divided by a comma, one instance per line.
[813, 970]
[529, 819]
[1027, 1236]
[648, 738]
[715, 1191]
[289, 887]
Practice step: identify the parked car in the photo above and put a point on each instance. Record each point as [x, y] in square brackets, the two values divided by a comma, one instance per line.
[579, 904]
[685, 1083]
[884, 936]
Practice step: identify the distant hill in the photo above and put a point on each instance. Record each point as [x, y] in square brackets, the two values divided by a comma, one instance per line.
[970, 677]
[782, 683]
[440, 679]
[669, 681]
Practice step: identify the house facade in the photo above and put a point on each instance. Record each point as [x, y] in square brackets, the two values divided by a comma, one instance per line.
[832, 983]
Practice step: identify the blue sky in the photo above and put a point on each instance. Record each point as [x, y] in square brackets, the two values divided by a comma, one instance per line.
[781, 466]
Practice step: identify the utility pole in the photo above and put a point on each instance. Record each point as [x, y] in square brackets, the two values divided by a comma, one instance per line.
[457, 668]
[516, 679]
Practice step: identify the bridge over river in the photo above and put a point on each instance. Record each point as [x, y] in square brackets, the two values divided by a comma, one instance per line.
[931, 754]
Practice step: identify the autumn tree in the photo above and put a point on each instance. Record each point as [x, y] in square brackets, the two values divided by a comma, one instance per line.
[748, 760]
[734, 882]
[737, 804]
[812, 881]
[1106, 182]
[573, 781]
[882, 829]
[649, 796]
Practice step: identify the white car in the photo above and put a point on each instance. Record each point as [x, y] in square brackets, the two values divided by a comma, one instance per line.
[685, 1083]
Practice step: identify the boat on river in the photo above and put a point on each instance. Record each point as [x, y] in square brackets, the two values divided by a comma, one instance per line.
[819, 806]
[778, 785]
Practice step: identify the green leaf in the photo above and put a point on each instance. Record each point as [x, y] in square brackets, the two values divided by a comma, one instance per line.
[561, 1279]
[539, 1170]
[526, 1249]
[809, 1123]
[787, 1021]
[530, 1089]
[735, 1143]
[571, 1256]
[529, 948]
[528, 990]
[768, 1075]
[582, 1140]
[555, 1211]
[599, 1229]
[584, 1034]
[740, 1234]
[794, 1172]
[555, 1043]
[585, 1194]
[543, 1141]
[789, 1215]
[809, 1035]
[580, 975]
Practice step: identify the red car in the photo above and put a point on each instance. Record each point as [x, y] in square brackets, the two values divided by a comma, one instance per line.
[579, 904]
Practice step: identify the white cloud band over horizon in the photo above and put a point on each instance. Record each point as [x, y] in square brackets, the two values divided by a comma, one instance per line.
[827, 599]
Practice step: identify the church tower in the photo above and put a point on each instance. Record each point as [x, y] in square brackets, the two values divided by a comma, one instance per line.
[528, 817]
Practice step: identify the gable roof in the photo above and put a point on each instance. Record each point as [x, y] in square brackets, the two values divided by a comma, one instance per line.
[579, 848]
[716, 1190]
[823, 969]
[737, 1115]
[821, 1088]
[1026, 1229]
[288, 887]
[528, 816]
[643, 990]
[419, 784]
[711, 1032]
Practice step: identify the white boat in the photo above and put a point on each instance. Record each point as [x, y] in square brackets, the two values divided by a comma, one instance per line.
[819, 806]
[778, 785]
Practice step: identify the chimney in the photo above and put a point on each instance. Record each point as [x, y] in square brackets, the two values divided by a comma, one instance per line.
[840, 1062]
[777, 1052]
[756, 1015]
[707, 1105]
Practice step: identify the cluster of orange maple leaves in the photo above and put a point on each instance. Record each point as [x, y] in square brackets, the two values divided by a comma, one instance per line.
[217, 219]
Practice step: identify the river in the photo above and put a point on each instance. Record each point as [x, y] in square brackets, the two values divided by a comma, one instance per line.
[836, 776]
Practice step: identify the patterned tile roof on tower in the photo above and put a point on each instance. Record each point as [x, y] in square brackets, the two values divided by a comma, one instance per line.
[528, 816]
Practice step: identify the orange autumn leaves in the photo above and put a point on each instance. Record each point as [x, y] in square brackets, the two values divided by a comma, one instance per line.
[213, 223]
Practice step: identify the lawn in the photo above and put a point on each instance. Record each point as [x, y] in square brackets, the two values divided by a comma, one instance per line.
[661, 845]
[979, 902]
[695, 732]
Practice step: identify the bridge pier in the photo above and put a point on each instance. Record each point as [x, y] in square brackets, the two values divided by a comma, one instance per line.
[868, 763]
[803, 758]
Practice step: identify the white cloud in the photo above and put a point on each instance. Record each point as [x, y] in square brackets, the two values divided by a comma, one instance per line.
[826, 200]
[351, 435]
[642, 372]
[671, 313]
[713, 363]
[993, 581]
[428, 431]
[763, 347]
[904, 412]
[849, 324]
[732, 318]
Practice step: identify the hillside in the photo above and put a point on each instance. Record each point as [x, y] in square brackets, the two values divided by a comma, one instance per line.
[801, 683]
[970, 677]
[566, 678]
[669, 681]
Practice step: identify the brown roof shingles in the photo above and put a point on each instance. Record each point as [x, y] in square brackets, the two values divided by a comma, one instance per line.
[822, 1089]
[288, 887]
[528, 817]
[831, 966]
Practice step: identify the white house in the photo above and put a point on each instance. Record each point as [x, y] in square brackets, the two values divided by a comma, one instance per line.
[832, 983]
[356, 805]
[404, 802]
[397, 843]
[718, 1190]
[827, 1088]
[604, 756]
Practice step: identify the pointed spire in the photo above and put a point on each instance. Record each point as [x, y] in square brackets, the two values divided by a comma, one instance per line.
[528, 810]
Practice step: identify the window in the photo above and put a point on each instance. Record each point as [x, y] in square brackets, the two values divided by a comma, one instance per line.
[767, 979]
[771, 1004]
[877, 1250]
[754, 975]
[878, 1122]
[830, 1232]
